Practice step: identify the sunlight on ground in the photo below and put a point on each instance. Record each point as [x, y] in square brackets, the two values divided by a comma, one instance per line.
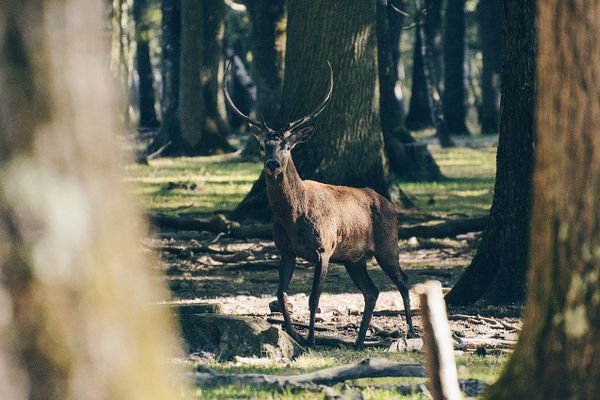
[222, 181]
[201, 185]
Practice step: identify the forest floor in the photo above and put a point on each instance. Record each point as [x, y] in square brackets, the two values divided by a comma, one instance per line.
[241, 275]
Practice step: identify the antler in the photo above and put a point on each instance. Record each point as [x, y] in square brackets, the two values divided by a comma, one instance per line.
[305, 120]
[259, 124]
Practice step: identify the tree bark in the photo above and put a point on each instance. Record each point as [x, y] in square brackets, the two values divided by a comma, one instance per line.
[191, 110]
[455, 68]
[419, 111]
[433, 39]
[433, 85]
[193, 121]
[318, 31]
[214, 124]
[146, 98]
[558, 353]
[268, 19]
[170, 43]
[408, 160]
[497, 273]
[489, 13]
[74, 326]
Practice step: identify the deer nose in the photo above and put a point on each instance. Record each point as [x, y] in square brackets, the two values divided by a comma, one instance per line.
[272, 165]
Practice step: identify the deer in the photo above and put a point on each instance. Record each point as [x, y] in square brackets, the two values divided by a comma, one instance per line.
[324, 223]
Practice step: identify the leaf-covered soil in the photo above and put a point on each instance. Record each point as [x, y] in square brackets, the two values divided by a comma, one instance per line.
[241, 275]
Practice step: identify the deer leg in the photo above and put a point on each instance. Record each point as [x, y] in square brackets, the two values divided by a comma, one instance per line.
[313, 302]
[286, 271]
[362, 280]
[393, 270]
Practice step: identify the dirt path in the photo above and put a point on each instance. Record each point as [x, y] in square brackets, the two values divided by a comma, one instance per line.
[242, 276]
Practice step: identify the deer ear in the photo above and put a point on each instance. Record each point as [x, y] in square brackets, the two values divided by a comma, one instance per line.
[301, 135]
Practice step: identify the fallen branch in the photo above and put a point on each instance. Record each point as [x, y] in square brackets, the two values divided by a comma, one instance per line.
[449, 228]
[219, 224]
[329, 376]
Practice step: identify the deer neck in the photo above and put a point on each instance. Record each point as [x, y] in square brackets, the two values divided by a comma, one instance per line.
[286, 194]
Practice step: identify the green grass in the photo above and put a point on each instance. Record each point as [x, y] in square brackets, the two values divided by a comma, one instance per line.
[222, 181]
[469, 366]
[468, 188]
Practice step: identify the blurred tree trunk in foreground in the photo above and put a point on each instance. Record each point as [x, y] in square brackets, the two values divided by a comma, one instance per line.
[558, 354]
[408, 160]
[268, 19]
[76, 314]
[455, 68]
[318, 31]
[497, 273]
[489, 13]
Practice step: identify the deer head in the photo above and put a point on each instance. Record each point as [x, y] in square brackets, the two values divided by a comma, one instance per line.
[276, 145]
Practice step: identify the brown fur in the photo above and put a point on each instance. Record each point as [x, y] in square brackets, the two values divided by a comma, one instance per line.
[322, 223]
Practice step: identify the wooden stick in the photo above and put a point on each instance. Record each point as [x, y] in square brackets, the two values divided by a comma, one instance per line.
[439, 352]
[328, 376]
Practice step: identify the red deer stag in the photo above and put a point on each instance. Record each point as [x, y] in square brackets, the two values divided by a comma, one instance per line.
[325, 223]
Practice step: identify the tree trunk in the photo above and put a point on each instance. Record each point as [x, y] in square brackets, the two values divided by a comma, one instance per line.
[170, 43]
[419, 111]
[268, 19]
[146, 99]
[455, 68]
[408, 160]
[490, 33]
[433, 39]
[395, 26]
[191, 109]
[192, 122]
[214, 124]
[74, 325]
[558, 354]
[318, 31]
[497, 273]
[433, 85]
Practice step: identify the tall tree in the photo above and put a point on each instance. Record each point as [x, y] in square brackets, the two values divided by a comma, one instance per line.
[268, 19]
[429, 36]
[558, 354]
[74, 325]
[489, 13]
[191, 105]
[497, 273]
[318, 31]
[409, 160]
[143, 66]
[433, 38]
[214, 128]
[419, 108]
[193, 121]
[455, 68]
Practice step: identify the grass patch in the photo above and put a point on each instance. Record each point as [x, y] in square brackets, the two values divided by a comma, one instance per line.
[469, 366]
[222, 182]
